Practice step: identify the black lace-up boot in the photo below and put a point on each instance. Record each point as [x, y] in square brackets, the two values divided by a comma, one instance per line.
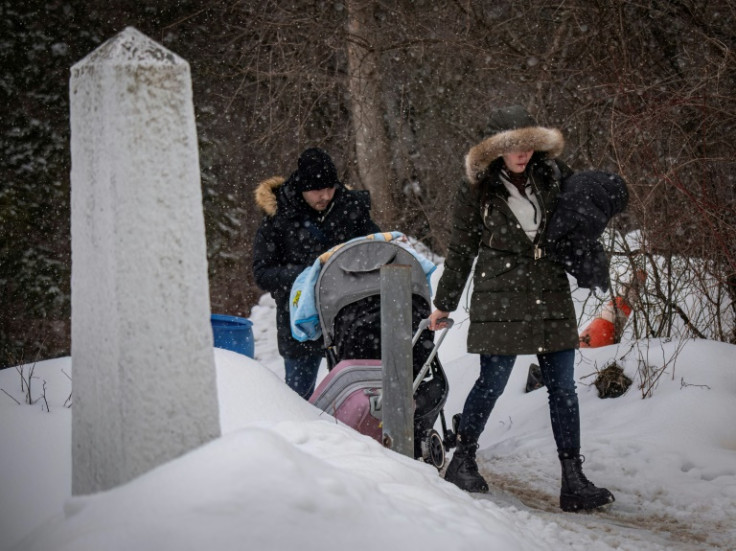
[578, 493]
[463, 470]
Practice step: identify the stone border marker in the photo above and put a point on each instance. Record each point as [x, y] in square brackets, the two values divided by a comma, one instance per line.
[143, 364]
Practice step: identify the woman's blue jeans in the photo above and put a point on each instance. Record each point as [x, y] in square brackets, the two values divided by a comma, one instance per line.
[558, 376]
[301, 374]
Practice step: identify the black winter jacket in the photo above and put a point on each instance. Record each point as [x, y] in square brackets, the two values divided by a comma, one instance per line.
[586, 203]
[292, 235]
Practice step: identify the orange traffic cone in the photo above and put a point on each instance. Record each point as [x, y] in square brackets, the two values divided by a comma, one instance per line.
[606, 328]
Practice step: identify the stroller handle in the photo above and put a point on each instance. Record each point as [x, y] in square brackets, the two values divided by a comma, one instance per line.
[422, 326]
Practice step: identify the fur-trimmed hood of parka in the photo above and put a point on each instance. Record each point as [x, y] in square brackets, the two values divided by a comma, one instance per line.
[276, 192]
[265, 194]
[512, 129]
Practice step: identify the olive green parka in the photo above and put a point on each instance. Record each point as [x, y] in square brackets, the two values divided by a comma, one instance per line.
[520, 301]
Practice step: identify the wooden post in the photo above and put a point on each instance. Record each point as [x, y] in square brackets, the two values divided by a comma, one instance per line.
[397, 403]
[142, 358]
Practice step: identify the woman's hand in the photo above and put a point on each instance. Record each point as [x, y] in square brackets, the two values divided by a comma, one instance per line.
[438, 320]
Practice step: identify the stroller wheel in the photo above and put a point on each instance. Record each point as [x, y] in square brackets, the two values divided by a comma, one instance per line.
[433, 450]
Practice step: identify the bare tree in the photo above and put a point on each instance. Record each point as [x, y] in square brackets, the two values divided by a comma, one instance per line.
[397, 92]
[367, 111]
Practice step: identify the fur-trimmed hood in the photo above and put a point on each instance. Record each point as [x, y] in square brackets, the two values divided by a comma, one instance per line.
[277, 192]
[265, 194]
[534, 138]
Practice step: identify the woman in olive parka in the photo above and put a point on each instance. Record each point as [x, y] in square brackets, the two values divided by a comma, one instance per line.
[521, 301]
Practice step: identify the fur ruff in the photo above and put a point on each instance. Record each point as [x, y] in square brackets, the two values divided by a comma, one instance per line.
[265, 194]
[536, 138]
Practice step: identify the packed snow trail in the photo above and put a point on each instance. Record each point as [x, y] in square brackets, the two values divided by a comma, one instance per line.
[622, 524]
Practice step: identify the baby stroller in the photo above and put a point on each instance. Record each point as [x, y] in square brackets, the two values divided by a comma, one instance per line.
[347, 296]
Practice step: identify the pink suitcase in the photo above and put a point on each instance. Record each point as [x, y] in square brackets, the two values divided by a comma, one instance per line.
[350, 392]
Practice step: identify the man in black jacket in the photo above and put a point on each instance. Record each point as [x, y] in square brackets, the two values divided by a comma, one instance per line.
[305, 215]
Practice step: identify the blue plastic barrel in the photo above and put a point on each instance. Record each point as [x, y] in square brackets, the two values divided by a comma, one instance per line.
[233, 333]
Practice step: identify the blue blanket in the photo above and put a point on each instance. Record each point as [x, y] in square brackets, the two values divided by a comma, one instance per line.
[304, 318]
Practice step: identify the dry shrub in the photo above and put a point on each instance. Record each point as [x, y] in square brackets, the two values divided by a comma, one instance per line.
[611, 382]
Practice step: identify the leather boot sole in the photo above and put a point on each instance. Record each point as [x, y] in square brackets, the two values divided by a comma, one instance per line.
[571, 503]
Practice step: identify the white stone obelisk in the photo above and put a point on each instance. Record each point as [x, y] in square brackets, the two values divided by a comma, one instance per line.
[144, 382]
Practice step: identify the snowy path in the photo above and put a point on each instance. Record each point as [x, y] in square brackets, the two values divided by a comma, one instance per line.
[651, 512]
[625, 524]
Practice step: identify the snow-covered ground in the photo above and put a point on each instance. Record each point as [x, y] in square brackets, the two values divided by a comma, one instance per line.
[287, 476]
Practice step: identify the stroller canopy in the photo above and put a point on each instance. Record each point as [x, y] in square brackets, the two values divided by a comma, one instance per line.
[353, 273]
